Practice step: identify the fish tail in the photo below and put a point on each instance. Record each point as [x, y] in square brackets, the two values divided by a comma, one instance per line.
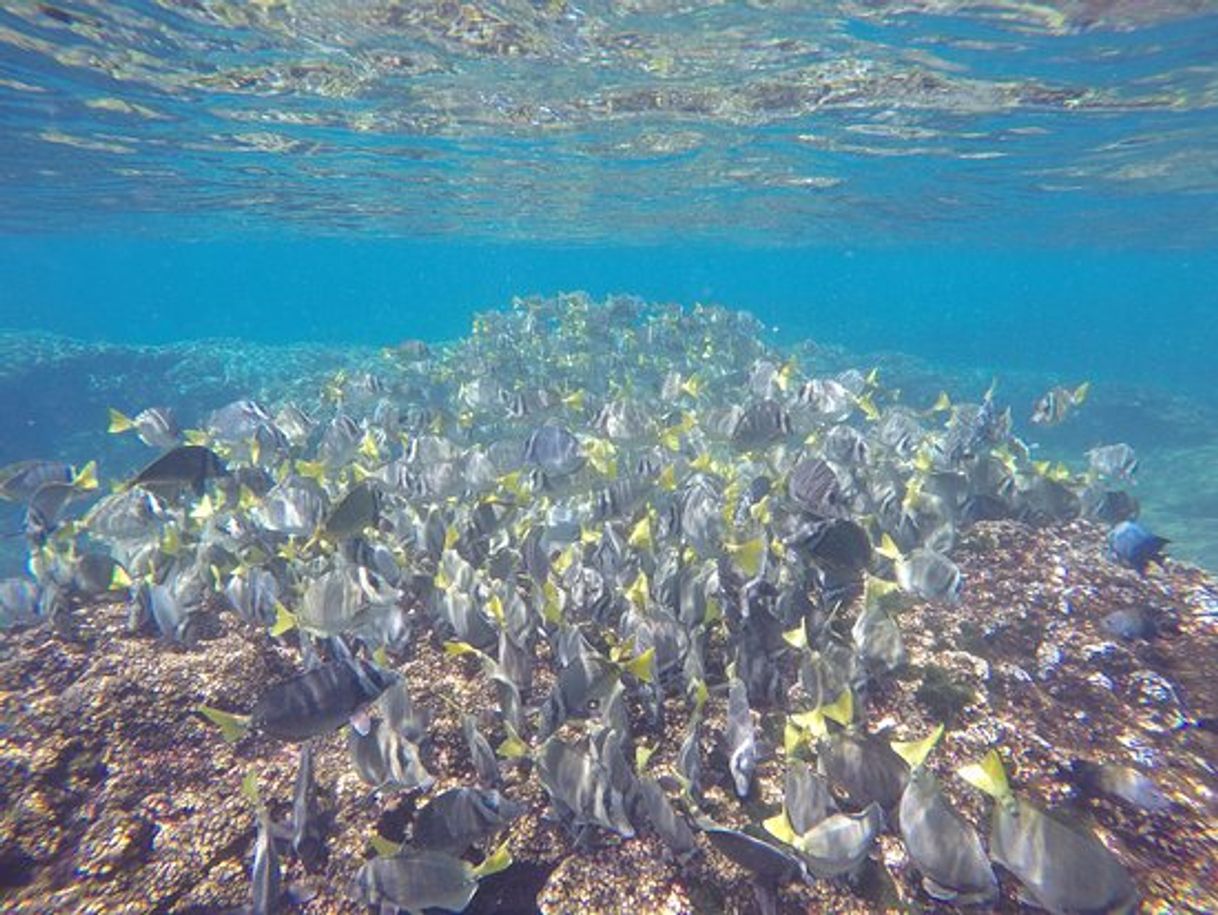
[119, 422]
[232, 727]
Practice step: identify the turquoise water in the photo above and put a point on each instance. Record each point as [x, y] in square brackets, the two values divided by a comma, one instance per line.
[204, 201]
[996, 189]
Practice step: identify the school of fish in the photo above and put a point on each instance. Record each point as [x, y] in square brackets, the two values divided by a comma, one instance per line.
[671, 507]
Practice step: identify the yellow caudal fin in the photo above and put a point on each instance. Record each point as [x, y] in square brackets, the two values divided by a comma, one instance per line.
[779, 826]
[988, 776]
[748, 554]
[797, 637]
[285, 620]
[86, 477]
[119, 579]
[642, 755]
[639, 590]
[888, 548]
[640, 535]
[513, 746]
[498, 860]
[1080, 393]
[841, 709]
[249, 787]
[643, 666]
[914, 752]
[383, 847]
[119, 422]
[232, 727]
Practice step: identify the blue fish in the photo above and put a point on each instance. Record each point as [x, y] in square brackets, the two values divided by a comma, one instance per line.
[1133, 546]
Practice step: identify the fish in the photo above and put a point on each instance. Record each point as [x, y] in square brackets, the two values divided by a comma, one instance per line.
[767, 861]
[944, 848]
[481, 754]
[1060, 866]
[672, 828]
[455, 819]
[18, 482]
[1123, 783]
[186, 465]
[741, 742]
[1116, 463]
[155, 426]
[1130, 624]
[1134, 547]
[925, 573]
[424, 879]
[267, 876]
[307, 840]
[760, 424]
[581, 787]
[308, 704]
[814, 487]
[1057, 403]
[553, 450]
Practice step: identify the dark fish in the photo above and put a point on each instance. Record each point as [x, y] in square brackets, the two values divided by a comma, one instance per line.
[1133, 546]
[668, 824]
[188, 465]
[1130, 624]
[865, 767]
[760, 424]
[1124, 783]
[267, 876]
[983, 507]
[814, 487]
[1062, 867]
[319, 701]
[460, 817]
[1109, 506]
[18, 482]
[554, 450]
[806, 797]
[767, 861]
[481, 754]
[45, 508]
[307, 840]
[358, 509]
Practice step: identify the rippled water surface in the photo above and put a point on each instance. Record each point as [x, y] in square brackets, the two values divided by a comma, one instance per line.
[765, 122]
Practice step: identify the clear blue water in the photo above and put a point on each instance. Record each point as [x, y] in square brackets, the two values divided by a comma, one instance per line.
[205, 200]
[1004, 188]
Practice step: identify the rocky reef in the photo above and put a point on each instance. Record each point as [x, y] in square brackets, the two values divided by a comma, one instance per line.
[116, 796]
